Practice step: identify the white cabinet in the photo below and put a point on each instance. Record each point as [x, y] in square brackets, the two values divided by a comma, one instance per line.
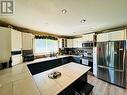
[117, 35]
[102, 37]
[112, 36]
[62, 42]
[69, 43]
[88, 37]
[10, 40]
[125, 34]
[16, 45]
[16, 40]
[27, 41]
[5, 44]
[77, 42]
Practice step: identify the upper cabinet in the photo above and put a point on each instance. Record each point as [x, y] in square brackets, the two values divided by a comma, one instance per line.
[69, 43]
[88, 37]
[77, 42]
[5, 44]
[62, 42]
[102, 37]
[27, 41]
[16, 40]
[112, 36]
[117, 35]
[74, 43]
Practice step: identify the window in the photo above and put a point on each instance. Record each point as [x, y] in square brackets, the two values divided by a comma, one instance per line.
[46, 46]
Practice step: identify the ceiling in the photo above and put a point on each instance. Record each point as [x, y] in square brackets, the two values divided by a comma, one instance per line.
[46, 15]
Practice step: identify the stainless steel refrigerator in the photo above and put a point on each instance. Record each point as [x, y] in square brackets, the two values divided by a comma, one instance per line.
[111, 62]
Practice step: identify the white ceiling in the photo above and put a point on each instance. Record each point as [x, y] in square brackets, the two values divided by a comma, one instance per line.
[46, 15]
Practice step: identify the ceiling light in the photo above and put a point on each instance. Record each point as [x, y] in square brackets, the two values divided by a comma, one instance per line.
[83, 21]
[64, 11]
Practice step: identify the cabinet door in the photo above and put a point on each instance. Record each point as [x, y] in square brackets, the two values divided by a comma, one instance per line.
[60, 42]
[117, 35]
[76, 59]
[90, 37]
[84, 38]
[16, 40]
[5, 44]
[43, 66]
[66, 60]
[87, 37]
[126, 34]
[27, 41]
[102, 37]
[112, 36]
[69, 43]
[79, 42]
[75, 45]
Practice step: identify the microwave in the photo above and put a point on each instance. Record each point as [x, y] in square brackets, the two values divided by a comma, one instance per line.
[87, 44]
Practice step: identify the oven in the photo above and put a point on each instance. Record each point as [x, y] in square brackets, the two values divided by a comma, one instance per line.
[87, 58]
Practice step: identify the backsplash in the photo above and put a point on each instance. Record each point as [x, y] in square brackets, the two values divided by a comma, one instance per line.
[74, 51]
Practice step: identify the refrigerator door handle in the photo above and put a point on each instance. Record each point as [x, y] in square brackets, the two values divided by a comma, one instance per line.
[105, 67]
[121, 49]
[124, 55]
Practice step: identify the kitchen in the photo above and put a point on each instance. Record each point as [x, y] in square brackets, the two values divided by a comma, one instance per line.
[83, 60]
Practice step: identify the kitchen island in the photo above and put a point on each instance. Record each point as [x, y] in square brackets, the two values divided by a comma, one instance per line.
[18, 80]
[69, 74]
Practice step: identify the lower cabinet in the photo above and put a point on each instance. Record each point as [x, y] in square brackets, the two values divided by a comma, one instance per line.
[43, 66]
[66, 60]
[76, 60]
[91, 65]
[46, 65]
[70, 90]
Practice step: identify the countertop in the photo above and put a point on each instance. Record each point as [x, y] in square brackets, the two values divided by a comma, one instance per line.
[69, 73]
[49, 58]
[19, 81]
